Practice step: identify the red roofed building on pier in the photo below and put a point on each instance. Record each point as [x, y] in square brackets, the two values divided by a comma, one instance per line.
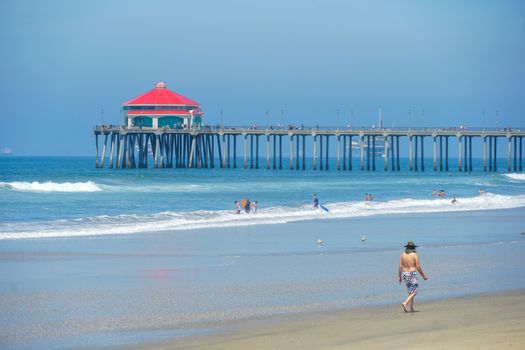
[162, 107]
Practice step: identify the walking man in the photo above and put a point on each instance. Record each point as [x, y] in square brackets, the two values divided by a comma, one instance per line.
[408, 268]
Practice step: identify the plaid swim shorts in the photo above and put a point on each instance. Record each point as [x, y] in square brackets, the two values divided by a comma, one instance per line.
[411, 281]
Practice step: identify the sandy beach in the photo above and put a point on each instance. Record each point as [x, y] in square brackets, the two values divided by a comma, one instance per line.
[495, 321]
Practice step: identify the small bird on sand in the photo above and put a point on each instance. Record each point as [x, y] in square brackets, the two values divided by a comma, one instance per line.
[363, 238]
[320, 242]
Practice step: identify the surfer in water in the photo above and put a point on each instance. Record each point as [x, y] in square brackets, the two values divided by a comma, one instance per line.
[316, 201]
[237, 207]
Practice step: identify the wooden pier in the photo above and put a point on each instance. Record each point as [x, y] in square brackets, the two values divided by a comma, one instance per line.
[206, 147]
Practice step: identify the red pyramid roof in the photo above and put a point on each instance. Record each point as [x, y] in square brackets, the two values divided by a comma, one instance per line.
[161, 95]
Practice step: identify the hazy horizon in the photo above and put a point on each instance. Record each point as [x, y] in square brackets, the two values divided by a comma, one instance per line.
[64, 62]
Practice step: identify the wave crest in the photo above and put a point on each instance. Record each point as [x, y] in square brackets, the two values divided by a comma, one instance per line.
[49, 186]
[515, 176]
[168, 221]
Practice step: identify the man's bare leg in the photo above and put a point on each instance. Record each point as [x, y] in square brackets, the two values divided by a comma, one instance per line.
[407, 304]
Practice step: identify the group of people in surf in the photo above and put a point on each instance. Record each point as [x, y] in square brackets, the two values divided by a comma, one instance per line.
[440, 193]
[246, 205]
[251, 207]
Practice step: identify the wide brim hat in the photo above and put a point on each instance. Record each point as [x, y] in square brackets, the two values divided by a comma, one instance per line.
[410, 247]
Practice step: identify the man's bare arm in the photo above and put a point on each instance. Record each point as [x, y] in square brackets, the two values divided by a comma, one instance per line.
[419, 269]
[400, 269]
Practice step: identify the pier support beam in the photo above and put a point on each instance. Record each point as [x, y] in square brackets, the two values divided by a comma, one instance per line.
[422, 152]
[304, 152]
[392, 151]
[484, 153]
[385, 165]
[156, 153]
[280, 152]
[228, 152]
[315, 153]
[274, 152]
[490, 153]
[435, 153]
[120, 145]
[470, 154]
[113, 146]
[256, 151]
[465, 166]
[104, 150]
[459, 153]
[321, 152]
[234, 151]
[222, 152]
[338, 152]
[397, 154]
[191, 161]
[373, 152]
[410, 155]
[245, 160]
[521, 160]
[297, 141]
[509, 143]
[291, 152]
[515, 139]
[251, 151]
[350, 153]
[367, 152]
[416, 153]
[362, 141]
[441, 153]
[495, 165]
[212, 150]
[126, 151]
[96, 146]
[446, 153]
[344, 152]
[219, 150]
[327, 160]
[267, 151]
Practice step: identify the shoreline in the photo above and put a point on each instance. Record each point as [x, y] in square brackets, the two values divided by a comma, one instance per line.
[482, 321]
[178, 290]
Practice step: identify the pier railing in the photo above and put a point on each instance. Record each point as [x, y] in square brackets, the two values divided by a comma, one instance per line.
[333, 129]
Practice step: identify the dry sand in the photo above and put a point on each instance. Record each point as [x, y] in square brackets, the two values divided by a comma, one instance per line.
[480, 322]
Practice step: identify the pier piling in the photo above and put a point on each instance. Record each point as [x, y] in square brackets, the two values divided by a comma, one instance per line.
[134, 147]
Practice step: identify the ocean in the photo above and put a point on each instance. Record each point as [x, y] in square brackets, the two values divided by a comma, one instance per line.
[64, 197]
[112, 257]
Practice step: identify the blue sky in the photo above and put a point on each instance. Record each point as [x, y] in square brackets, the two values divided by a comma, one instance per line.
[62, 62]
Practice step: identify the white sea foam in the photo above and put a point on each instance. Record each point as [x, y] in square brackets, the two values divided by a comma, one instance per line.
[49, 186]
[516, 176]
[165, 221]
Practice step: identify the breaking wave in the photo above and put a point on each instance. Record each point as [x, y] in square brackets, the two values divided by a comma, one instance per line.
[168, 221]
[515, 176]
[49, 186]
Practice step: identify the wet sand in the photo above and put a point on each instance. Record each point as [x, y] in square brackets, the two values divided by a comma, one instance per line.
[495, 321]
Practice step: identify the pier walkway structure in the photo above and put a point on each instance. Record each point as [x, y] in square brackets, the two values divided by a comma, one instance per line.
[207, 147]
[168, 127]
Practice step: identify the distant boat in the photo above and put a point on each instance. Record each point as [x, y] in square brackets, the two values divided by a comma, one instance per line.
[380, 146]
[6, 152]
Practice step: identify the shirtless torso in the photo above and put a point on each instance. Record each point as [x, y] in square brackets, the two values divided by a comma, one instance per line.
[409, 262]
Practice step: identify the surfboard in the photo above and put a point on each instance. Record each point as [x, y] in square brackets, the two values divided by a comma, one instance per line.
[324, 208]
